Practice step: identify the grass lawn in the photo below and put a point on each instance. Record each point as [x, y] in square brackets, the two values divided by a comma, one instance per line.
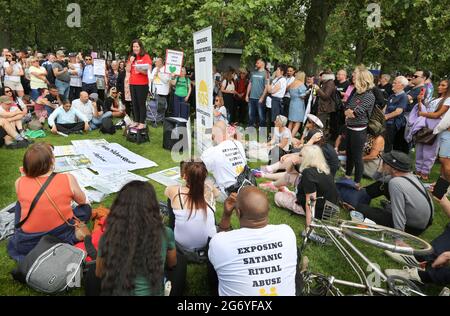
[324, 259]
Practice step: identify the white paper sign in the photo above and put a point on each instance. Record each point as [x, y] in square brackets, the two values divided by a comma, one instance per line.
[167, 177]
[114, 182]
[204, 88]
[59, 151]
[114, 157]
[99, 67]
[174, 62]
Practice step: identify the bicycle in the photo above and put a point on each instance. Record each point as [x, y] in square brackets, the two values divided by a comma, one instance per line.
[338, 231]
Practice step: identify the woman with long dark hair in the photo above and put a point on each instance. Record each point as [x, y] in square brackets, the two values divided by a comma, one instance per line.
[193, 208]
[141, 64]
[136, 246]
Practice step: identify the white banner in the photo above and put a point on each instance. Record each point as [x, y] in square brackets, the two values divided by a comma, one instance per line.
[204, 85]
[114, 157]
[99, 67]
[174, 62]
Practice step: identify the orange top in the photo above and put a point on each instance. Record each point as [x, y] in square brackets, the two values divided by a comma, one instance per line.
[44, 217]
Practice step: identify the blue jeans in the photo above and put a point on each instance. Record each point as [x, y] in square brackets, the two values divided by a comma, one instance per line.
[276, 108]
[63, 89]
[34, 94]
[49, 110]
[96, 122]
[255, 106]
[22, 243]
[180, 107]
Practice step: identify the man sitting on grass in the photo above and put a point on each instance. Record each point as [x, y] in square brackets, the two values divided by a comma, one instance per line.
[256, 260]
[88, 106]
[68, 120]
[10, 137]
[11, 113]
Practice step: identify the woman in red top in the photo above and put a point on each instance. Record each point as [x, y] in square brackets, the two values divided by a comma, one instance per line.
[53, 214]
[141, 65]
[241, 90]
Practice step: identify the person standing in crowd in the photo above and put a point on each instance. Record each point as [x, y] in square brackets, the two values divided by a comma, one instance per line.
[160, 80]
[228, 90]
[22, 58]
[290, 78]
[183, 90]
[68, 120]
[121, 82]
[220, 111]
[430, 88]
[13, 73]
[53, 213]
[342, 85]
[326, 103]
[297, 94]
[128, 103]
[137, 267]
[256, 93]
[277, 90]
[113, 74]
[395, 117]
[38, 76]
[234, 273]
[89, 82]
[241, 92]
[141, 65]
[410, 207]
[357, 113]
[62, 75]
[433, 113]
[76, 72]
[48, 65]
[385, 86]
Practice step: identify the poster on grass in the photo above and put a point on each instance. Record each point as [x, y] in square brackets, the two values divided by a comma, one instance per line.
[174, 62]
[204, 87]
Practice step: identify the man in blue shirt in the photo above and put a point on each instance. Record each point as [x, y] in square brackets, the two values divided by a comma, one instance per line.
[256, 93]
[89, 80]
[68, 120]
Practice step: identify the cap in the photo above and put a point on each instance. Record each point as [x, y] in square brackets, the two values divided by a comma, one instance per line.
[315, 120]
[93, 96]
[397, 160]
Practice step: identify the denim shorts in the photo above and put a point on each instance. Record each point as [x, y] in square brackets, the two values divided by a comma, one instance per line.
[444, 145]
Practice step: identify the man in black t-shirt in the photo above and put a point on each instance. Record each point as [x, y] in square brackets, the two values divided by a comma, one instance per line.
[342, 85]
[53, 99]
[385, 86]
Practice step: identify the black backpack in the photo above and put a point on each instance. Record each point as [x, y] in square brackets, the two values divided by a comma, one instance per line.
[108, 126]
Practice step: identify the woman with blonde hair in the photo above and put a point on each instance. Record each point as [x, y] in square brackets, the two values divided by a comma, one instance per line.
[220, 111]
[297, 91]
[358, 111]
[316, 185]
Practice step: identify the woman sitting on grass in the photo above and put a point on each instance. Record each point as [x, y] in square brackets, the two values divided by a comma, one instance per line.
[316, 184]
[52, 213]
[135, 248]
[193, 209]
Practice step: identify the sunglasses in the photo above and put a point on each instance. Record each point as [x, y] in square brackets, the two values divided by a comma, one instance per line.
[8, 91]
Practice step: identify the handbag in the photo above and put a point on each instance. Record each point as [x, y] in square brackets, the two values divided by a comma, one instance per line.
[424, 136]
[245, 178]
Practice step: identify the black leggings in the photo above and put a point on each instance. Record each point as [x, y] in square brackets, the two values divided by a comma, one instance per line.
[139, 99]
[355, 147]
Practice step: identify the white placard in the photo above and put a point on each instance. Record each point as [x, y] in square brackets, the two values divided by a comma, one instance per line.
[204, 88]
[69, 150]
[174, 62]
[99, 67]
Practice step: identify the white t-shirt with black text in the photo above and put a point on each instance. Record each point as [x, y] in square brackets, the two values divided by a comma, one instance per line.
[225, 161]
[255, 262]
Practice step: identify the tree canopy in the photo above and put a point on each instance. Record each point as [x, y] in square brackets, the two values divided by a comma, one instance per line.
[310, 34]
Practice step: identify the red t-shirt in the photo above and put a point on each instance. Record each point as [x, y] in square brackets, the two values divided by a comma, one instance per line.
[137, 78]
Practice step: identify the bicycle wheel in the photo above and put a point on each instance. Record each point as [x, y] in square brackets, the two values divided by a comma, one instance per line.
[387, 238]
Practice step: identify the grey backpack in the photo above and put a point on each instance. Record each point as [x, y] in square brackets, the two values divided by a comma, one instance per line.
[52, 266]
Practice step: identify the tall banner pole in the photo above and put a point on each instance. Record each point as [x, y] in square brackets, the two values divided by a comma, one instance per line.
[204, 85]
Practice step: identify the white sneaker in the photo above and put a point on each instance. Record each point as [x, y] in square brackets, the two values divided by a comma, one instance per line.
[407, 273]
[409, 260]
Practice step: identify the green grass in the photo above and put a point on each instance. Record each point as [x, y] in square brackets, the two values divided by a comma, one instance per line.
[323, 259]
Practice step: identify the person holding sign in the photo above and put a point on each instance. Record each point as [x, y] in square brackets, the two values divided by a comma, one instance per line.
[141, 64]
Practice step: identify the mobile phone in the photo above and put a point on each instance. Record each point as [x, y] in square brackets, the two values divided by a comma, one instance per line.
[441, 187]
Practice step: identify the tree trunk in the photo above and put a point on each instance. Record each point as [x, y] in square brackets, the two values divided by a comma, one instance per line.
[316, 32]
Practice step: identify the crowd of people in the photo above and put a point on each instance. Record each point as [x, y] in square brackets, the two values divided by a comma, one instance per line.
[318, 126]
